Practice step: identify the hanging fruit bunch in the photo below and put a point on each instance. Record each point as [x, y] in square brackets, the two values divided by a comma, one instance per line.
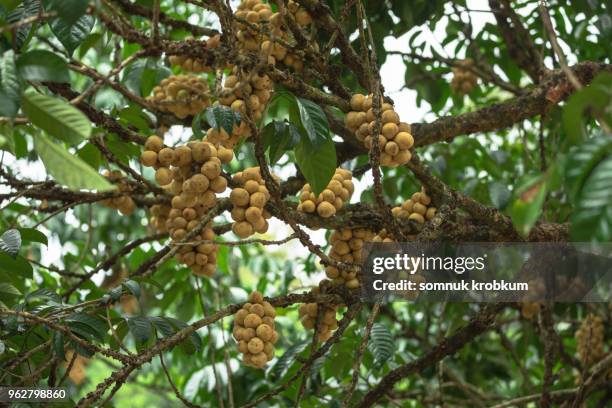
[346, 246]
[417, 208]
[249, 200]
[331, 199]
[318, 315]
[254, 330]
[464, 80]
[394, 140]
[181, 95]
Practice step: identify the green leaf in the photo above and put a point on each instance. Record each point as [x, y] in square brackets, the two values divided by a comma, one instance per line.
[71, 35]
[10, 89]
[33, 235]
[141, 76]
[286, 360]
[581, 161]
[141, 328]
[27, 8]
[526, 209]
[10, 242]
[58, 345]
[8, 294]
[500, 194]
[278, 137]
[68, 169]
[42, 66]
[15, 267]
[68, 10]
[592, 220]
[7, 138]
[381, 344]
[133, 287]
[88, 43]
[90, 155]
[313, 120]
[220, 116]
[317, 163]
[92, 325]
[57, 117]
[195, 341]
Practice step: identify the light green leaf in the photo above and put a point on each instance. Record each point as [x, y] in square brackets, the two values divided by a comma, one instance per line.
[10, 90]
[42, 66]
[68, 169]
[526, 209]
[58, 118]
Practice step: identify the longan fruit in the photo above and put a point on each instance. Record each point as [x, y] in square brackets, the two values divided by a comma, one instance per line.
[302, 17]
[425, 199]
[252, 214]
[308, 323]
[202, 151]
[243, 347]
[269, 350]
[251, 186]
[238, 214]
[308, 206]
[240, 197]
[256, 297]
[326, 209]
[391, 148]
[252, 320]
[264, 332]
[352, 284]
[403, 156]
[258, 199]
[269, 320]
[431, 212]
[165, 156]
[357, 102]
[419, 208]
[243, 229]
[389, 130]
[390, 116]
[154, 143]
[163, 176]
[269, 309]
[182, 156]
[259, 360]
[260, 225]
[248, 333]
[257, 309]
[225, 155]
[211, 169]
[404, 140]
[218, 184]
[417, 217]
[148, 158]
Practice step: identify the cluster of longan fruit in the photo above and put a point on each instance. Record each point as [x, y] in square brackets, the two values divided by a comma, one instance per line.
[192, 174]
[590, 340]
[254, 330]
[321, 316]
[249, 200]
[394, 140]
[195, 64]
[124, 203]
[269, 28]
[246, 92]
[417, 208]
[182, 95]
[346, 246]
[464, 80]
[331, 199]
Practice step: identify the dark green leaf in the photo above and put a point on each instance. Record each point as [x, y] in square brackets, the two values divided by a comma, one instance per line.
[33, 235]
[141, 328]
[313, 120]
[68, 10]
[133, 287]
[15, 267]
[27, 8]
[71, 35]
[58, 345]
[317, 163]
[91, 155]
[286, 360]
[220, 116]
[381, 344]
[527, 208]
[582, 160]
[91, 326]
[278, 137]
[58, 118]
[68, 169]
[42, 66]
[141, 76]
